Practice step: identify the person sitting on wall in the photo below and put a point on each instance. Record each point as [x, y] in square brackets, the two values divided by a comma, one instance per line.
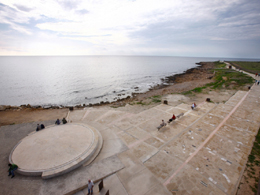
[12, 168]
[193, 106]
[172, 119]
[161, 125]
[42, 126]
[64, 121]
[38, 127]
[57, 122]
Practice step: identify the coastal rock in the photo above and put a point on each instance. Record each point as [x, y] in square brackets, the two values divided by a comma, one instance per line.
[47, 106]
[2, 108]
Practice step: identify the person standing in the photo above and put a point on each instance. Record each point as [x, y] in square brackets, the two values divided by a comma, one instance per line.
[90, 187]
[12, 168]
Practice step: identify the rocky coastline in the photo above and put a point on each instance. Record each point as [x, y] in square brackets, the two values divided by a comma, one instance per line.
[201, 71]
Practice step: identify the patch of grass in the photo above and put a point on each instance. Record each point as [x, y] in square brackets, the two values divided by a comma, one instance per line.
[219, 64]
[253, 160]
[156, 100]
[253, 67]
[12, 124]
[198, 89]
[156, 96]
[187, 93]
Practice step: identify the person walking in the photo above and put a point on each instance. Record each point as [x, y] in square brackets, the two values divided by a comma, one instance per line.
[12, 168]
[90, 187]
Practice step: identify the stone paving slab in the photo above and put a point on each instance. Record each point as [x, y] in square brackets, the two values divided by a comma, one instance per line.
[212, 166]
[158, 189]
[132, 165]
[162, 165]
[219, 112]
[127, 138]
[76, 115]
[77, 180]
[140, 183]
[202, 129]
[212, 120]
[207, 106]
[155, 142]
[177, 111]
[240, 136]
[198, 112]
[225, 108]
[187, 119]
[146, 115]
[163, 107]
[143, 151]
[111, 183]
[137, 133]
[184, 106]
[189, 181]
[247, 114]
[232, 151]
[242, 124]
[169, 132]
[183, 146]
[110, 116]
[95, 114]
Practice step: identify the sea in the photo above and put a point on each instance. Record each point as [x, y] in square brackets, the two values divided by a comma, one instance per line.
[78, 80]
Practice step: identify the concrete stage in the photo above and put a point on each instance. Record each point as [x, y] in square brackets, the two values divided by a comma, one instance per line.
[55, 150]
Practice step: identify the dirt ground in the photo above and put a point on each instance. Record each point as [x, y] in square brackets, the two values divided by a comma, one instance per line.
[11, 117]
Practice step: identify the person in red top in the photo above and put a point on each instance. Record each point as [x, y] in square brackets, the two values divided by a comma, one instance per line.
[172, 119]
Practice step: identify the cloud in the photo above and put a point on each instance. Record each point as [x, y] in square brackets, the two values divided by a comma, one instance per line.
[134, 26]
[68, 4]
[82, 11]
[23, 8]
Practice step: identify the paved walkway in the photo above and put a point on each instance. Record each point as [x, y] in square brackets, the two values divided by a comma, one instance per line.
[203, 152]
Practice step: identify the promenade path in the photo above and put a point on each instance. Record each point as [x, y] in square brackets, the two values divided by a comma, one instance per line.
[203, 152]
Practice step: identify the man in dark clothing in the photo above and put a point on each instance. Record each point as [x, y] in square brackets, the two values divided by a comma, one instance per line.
[42, 126]
[12, 168]
[57, 122]
[38, 127]
[64, 121]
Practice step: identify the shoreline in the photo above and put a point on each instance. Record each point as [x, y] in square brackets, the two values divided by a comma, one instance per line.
[197, 74]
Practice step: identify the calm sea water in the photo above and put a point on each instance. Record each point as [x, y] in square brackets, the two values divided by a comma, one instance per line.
[74, 80]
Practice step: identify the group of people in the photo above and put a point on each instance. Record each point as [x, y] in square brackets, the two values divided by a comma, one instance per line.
[64, 121]
[193, 106]
[39, 127]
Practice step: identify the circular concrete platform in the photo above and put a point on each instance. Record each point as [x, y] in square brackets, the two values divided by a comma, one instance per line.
[55, 150]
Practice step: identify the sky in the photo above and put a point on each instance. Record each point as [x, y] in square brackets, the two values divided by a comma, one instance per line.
[194, 28]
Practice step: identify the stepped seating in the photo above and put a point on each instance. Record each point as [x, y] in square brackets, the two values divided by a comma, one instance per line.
[216, 167]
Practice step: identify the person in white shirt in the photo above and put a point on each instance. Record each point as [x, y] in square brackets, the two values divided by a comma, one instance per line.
[90, 186]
